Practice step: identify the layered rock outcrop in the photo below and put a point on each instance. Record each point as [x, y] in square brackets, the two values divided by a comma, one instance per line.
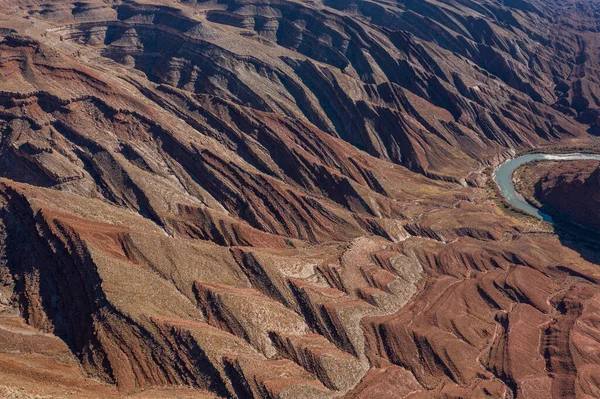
[289, 199]
[489, 79]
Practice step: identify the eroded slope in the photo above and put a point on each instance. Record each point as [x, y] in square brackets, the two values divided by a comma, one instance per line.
[288, 199]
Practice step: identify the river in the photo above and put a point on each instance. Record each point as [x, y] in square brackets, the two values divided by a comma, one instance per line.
[503, 177]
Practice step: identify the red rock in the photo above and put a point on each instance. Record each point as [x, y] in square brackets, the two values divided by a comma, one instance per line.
[293, 200]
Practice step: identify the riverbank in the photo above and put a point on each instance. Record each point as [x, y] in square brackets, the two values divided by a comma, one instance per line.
[563, 189]
[587, 149]
[526, 176]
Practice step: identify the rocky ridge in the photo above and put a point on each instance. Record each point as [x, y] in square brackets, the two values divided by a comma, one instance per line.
[288, 199]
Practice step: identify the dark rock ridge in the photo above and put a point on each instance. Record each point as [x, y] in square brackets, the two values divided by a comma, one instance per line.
[282, 199]
[438, 88]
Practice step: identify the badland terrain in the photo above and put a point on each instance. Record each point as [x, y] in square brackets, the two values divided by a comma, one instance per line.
[293, 199]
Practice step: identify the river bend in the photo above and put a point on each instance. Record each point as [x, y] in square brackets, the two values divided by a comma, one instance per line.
[503, 177]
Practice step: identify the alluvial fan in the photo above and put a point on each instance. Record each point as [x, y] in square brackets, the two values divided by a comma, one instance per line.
[293, 199]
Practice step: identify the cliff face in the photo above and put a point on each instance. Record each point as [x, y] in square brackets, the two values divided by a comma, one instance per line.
[571, 190]
[287, 199]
